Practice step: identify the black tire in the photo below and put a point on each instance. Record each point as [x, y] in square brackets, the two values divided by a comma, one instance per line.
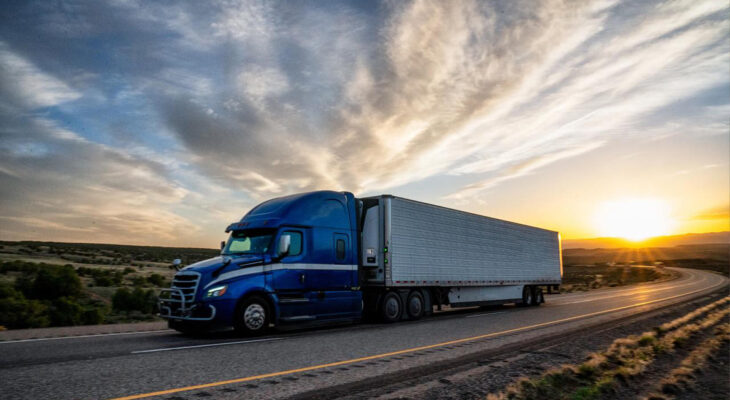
[526, 296]
[415, 305]
[252, 317]
[537, 296]
[391, 307]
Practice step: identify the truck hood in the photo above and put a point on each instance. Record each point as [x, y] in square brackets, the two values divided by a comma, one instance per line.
[207, 267]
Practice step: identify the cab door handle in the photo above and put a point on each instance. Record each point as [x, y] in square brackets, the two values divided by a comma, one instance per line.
[301, 278]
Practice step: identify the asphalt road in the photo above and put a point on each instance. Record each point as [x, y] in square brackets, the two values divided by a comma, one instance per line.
[171, 366]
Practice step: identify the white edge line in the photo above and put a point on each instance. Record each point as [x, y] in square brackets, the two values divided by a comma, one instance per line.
[204, 345]
[84, 336]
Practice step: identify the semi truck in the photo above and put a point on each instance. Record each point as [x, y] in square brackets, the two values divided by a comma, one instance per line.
[328, 257]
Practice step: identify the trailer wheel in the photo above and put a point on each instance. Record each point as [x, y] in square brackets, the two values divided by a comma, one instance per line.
[537, 296]
[252, 317]
[415, 305]
[526, 296]
[391, 307]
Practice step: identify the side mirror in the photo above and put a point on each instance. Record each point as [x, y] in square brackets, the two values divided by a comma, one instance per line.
[176, 264]
[284, 245]
[223, 244]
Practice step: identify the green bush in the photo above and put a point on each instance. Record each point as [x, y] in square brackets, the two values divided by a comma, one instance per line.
[136, 300]
[52, 283]
[65, 311]
[103, 277]
[93, 315]
[46, 295]
[156, 280]
[138, 281]
[18, 312]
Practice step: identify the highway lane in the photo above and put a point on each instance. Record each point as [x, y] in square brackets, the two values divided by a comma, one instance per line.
[122, 365]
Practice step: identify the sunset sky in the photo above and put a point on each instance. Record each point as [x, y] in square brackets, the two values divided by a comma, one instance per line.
[158, 123]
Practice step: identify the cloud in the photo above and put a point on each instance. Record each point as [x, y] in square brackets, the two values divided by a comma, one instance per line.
[79, 190]
[131, 112]
[58, 184]
[463, 88]
[25, 83]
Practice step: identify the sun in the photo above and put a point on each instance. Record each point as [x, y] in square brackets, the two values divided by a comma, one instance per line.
[634, 219]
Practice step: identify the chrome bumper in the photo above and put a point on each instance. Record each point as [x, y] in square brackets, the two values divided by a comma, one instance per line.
[183, 311]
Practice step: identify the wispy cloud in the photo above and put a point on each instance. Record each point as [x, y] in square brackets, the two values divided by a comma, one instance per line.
[27, 84]
[131, 111]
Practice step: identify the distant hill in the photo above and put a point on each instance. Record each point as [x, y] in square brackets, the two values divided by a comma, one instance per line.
[715, 257]
[659, 241]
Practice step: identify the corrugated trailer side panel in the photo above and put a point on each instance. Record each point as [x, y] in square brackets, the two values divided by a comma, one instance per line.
[437, 246]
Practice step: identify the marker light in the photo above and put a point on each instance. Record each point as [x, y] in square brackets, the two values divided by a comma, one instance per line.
[216, 291]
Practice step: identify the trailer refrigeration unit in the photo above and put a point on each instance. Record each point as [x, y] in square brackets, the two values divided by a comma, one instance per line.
[325, 256]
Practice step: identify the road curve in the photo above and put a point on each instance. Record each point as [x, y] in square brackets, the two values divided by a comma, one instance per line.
[168, 365]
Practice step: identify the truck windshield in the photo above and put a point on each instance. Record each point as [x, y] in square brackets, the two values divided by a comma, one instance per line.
[249, 242]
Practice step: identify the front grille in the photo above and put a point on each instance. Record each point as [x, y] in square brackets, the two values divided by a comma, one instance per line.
[187, 283]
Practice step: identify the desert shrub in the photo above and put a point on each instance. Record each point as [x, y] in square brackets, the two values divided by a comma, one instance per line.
[135, 300]
[52, 283]
[138, 281]
[156, 280]
[65, 311]
[102, 277]
[46, 295]
[93, 315]
[18, 312]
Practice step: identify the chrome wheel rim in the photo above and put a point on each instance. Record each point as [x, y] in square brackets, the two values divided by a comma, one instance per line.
[254, 316]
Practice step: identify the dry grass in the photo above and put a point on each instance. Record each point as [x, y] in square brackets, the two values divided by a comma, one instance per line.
[625, 359]
[683, 377]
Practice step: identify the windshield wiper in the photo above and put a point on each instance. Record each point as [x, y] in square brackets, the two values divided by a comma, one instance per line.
[228, 260]
[219, 269]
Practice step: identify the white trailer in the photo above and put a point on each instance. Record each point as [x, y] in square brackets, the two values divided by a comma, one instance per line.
[452, 257]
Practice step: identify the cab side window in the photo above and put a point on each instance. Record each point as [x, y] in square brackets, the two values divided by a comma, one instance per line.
[295, 248]
[340, 249]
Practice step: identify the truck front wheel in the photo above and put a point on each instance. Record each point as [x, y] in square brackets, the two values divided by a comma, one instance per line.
[252, 316]
[391, 308]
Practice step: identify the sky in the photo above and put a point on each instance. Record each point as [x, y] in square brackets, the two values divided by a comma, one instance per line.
[159, 123]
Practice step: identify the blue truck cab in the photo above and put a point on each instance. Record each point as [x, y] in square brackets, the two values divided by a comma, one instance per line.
[291, 259]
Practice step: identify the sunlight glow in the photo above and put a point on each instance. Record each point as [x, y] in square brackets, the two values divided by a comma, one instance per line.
[634, 219]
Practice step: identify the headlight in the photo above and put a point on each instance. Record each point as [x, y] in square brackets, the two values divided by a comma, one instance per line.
[216, 291]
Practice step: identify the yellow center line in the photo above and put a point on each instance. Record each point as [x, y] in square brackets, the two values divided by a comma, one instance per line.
[393, 353]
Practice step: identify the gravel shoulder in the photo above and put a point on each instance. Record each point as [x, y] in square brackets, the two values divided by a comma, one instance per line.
[82, 330]
[475, 380]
